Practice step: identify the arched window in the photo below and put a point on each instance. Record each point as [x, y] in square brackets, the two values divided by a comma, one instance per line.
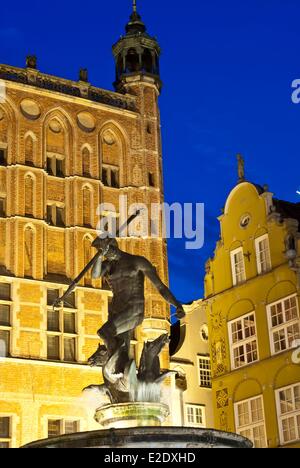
[29, 150]
[28, 252]
[112, 157]
[87, 250]
[120, 66]
[86, 162]
[156, 64]
[29, 195]
[56, 137]
[56, 148]
[87, 207]
[132, 61]
[148, 61]
[3, 137]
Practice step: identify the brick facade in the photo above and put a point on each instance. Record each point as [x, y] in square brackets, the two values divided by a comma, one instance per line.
[55, 147]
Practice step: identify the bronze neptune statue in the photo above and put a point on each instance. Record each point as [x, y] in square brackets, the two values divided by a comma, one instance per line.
[125, 274]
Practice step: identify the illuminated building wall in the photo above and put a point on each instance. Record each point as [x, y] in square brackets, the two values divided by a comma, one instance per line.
[66, 147]
[190, 361]
[252, 305]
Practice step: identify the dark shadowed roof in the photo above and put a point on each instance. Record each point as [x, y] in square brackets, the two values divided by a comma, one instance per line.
[288, 210]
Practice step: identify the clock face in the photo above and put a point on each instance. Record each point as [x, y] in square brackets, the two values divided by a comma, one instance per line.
[204, 333]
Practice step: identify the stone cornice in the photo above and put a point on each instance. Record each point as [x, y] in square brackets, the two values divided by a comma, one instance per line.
[36, 79]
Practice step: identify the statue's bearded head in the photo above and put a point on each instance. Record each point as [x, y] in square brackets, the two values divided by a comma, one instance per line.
[107, 245]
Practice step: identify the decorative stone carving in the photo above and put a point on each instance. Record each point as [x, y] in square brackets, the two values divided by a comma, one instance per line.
[55, 126]
[218, 355]
[30, 109]
[222, 398]
[157, 309]
[86, 122]
[217, 320]
[31, 61]
[109, 138]
[83, 75]
[224, 421]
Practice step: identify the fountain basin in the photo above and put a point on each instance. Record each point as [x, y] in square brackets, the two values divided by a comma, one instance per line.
[147, 437]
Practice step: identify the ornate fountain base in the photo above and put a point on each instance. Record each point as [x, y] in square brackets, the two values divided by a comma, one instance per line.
[148, 438]
[127, 415]
[138, 425]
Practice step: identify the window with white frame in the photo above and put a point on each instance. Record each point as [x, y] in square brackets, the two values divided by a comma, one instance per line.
[263, 256]
[58, 427]
[243, 341]
[238, 266]
[5, 432]
[288, 410]
[5, 319]
[250, 421]
[61, 328]
[195, 415]
[204, 371]
[284, 323]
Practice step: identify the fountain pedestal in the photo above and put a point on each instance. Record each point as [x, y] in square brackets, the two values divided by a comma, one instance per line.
[127, 415]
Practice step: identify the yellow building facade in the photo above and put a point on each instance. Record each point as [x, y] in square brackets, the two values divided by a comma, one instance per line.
[190, 360]
[252, 305]
[65, 147]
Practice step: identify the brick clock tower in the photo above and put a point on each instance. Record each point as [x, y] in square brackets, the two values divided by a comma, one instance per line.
[65, 147]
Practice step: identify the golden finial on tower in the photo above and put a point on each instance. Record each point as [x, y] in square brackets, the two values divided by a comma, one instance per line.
[134, 6]
[241, 168]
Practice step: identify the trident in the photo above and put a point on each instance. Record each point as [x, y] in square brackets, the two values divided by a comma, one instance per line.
[75, 282]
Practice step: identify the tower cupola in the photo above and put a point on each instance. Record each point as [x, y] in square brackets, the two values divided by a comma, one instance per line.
[136, 53]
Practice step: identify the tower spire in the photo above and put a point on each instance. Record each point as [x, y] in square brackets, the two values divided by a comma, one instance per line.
[136, 53]
[241, 168]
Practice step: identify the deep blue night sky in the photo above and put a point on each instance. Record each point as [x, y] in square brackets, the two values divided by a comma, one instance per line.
[227, 68]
